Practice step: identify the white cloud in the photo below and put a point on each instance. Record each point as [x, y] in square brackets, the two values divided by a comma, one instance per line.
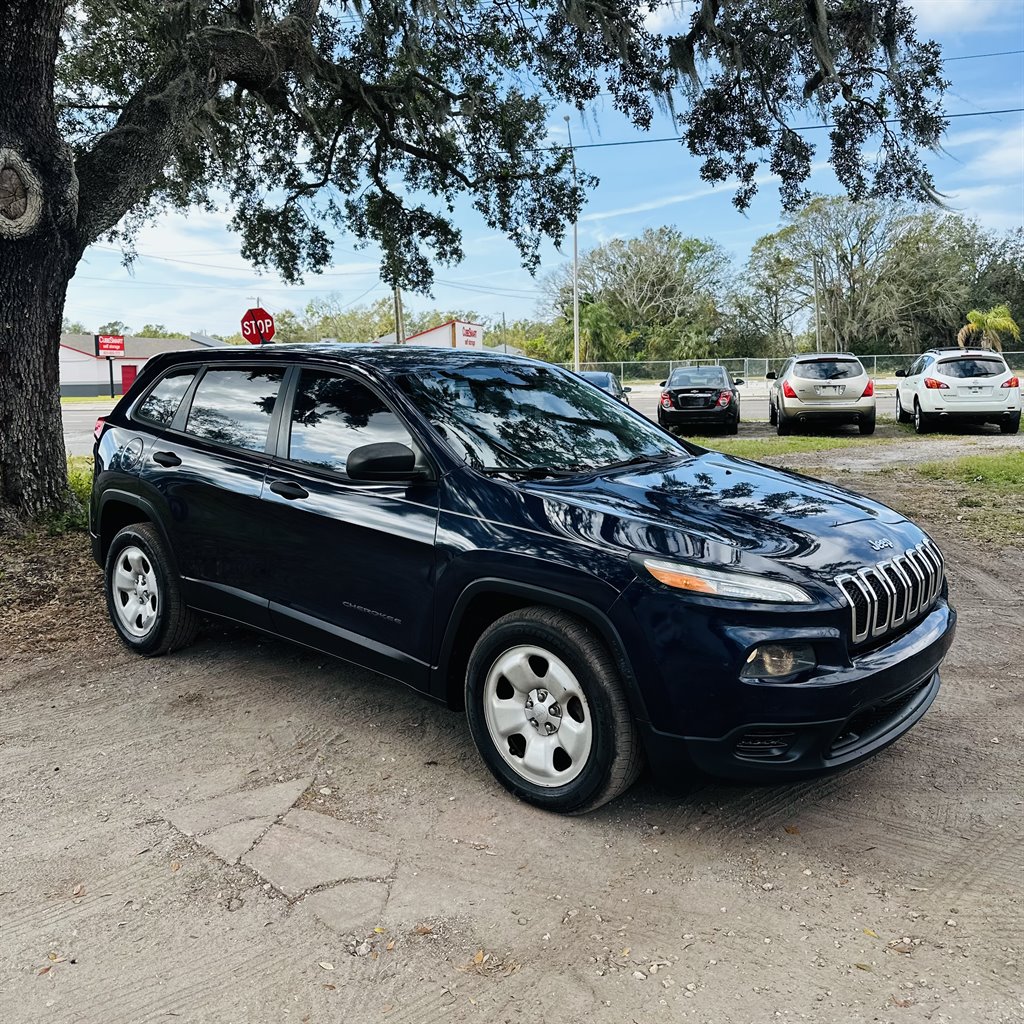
[960, 15]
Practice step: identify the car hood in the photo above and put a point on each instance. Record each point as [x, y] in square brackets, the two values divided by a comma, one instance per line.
[726, 510]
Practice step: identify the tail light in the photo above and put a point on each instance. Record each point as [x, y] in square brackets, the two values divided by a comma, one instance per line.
[1013, 382]
[935, 385]
[666, 400]
[98, 429]
[724, 399]
[869, 391]
[787, 389]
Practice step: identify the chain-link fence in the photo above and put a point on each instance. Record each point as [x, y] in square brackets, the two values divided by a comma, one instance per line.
[754, 368]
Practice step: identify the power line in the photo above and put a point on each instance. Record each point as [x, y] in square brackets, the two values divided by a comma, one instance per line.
[978, 56]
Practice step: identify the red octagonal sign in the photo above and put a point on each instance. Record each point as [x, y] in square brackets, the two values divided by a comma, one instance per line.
[257, 326]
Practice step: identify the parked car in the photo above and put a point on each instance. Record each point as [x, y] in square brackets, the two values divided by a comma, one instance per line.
[506, 538]
[700, 396]
[822, 388]
[607, 382]
[961, 385]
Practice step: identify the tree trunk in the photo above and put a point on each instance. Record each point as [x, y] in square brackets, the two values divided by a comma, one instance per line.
[39, 249]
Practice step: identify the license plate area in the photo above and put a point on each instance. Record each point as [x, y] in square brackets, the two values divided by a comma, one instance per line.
[830, 390]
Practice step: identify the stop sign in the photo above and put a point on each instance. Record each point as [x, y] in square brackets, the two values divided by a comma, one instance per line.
[257, 326]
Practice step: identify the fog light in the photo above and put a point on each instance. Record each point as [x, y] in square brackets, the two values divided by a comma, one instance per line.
[775, 661]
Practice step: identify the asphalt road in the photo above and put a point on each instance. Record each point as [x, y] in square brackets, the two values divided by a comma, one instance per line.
[80, 417]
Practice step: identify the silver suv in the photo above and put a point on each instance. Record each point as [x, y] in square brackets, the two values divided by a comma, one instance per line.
[824, 387]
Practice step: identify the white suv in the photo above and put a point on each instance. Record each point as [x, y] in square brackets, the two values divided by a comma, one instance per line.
[969, 385]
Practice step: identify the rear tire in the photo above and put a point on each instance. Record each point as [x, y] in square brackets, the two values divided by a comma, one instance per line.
[922, 421]
[866, 424]
[548, 713]
[783, 424]
[733, 427]
[143, 593]
[1011, 425]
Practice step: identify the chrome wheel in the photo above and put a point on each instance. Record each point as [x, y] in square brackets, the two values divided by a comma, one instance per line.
[135, 590]
[537, 716]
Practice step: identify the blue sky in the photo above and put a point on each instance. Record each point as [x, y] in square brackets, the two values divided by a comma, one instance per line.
[189, 274]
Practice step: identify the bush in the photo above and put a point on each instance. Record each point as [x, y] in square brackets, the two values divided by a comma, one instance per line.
[76, 516]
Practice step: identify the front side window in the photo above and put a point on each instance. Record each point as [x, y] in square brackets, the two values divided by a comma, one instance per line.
[829, 369]
[521, 418]
[233, 407]
[160, 405]
[973, 366]
[332, 415]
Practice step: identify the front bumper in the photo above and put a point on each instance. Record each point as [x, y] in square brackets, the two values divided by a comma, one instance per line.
[831, 721]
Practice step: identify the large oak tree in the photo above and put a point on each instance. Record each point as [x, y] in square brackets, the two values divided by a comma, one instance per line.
[308, 117]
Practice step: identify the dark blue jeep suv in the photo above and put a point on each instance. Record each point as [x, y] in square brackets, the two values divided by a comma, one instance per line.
[504, 537]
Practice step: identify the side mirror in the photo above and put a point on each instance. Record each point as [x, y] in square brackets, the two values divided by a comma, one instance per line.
[771, 375]
[386, 460]
[738, 381]
[661, 384]
[900, 373]
[627, 391]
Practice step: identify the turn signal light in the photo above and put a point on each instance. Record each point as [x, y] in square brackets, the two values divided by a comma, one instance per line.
[98, 429]
[1013, 382]
[935, 385]
[787, 389]
[869, 390]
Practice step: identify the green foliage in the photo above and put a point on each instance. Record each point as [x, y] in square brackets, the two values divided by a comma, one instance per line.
[764, 447]
[74, 517]
[988, 328]
[114, 327]
[158, 331]
[998, 473]
[311, 118]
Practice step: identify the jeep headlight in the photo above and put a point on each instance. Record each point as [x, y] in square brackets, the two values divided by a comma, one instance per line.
[736, 586]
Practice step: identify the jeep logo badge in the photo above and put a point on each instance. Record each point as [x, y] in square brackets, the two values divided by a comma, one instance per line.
[879, 545]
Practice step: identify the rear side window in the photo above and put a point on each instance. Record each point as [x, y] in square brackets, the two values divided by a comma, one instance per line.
[828, 369]
[234, 407]
[160, 405]
[975, 366]
[332, 415]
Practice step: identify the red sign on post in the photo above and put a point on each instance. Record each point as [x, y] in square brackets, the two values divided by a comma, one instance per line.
[257, 326]
[110, 344]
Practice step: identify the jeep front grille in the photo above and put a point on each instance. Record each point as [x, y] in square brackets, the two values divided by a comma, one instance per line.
[892, 594]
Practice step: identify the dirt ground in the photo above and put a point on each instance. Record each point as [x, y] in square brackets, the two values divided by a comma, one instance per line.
[249, 832]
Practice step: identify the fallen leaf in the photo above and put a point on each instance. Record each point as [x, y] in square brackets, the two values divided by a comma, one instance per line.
[380, 931]
[793, 830]
[43, 970]
[625, 952]
[390, 946]
[901, 947]
[479, 958]
[79, 890]
[871, 932]
[902, 1003]
[326, 965]
[424, 929]
[331, 987]
[864, 967]
[387, 1007]
[51, 956]
[175, 865]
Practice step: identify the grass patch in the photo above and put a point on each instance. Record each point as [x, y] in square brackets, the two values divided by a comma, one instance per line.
[75, 399]
[758, 448]
[1002, 473]
[76, 516]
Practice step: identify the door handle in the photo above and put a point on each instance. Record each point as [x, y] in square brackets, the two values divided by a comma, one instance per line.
[288, 489]
[166, 458]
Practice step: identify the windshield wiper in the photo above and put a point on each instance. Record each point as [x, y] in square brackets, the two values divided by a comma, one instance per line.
[639, 460]
[532, 472]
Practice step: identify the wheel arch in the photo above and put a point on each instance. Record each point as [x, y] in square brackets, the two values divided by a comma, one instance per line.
[118, 509]
[485, 601]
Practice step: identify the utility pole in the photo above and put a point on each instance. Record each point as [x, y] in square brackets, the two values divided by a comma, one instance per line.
[817, 310]
[575, 265]
[399, 319]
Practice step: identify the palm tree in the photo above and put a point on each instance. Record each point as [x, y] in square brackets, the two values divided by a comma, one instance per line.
[989, 326]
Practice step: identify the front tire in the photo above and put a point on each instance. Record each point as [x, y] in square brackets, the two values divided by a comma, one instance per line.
[902, 416]
[143, 593]
[548, 713]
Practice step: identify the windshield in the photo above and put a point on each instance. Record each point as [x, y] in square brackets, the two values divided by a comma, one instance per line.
[696, 377]
[979, 366]
[521, 417]
[829, 369]
[602, 380]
